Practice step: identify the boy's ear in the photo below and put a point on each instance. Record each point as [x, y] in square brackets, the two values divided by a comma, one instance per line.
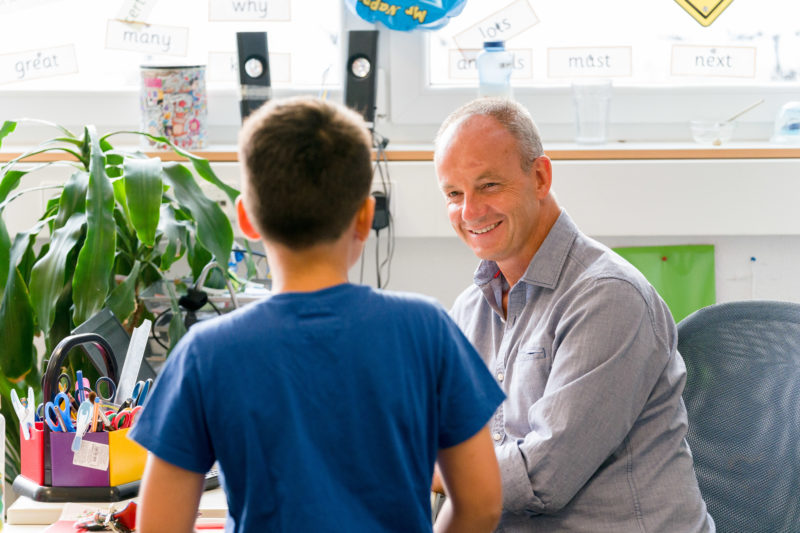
[244, 221]
[364, 218]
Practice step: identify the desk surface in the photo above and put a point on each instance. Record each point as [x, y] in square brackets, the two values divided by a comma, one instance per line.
[28, 516]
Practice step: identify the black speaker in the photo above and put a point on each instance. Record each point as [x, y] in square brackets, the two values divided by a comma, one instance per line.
[361, 72]
[253, 70]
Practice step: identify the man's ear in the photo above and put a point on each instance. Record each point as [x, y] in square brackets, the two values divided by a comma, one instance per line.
[543, 169]
[244, 221]
[364, 218]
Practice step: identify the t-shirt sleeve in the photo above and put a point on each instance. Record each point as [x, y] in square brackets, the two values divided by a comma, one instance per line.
[468, 394]
[172, 424]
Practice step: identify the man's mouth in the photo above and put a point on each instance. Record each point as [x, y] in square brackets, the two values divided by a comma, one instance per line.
[484, 229]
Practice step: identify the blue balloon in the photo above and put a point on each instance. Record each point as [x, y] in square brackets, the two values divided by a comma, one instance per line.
[407, 15]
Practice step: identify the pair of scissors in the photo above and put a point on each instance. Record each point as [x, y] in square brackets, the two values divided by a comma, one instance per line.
[26, 413]
[140, 390]
[65, 385]
[57, 413]
[124, 418]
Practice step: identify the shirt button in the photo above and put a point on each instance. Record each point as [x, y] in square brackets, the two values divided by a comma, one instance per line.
[500, 376]
[497, 436]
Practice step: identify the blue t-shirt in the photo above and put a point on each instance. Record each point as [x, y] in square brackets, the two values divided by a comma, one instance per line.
[325, 410]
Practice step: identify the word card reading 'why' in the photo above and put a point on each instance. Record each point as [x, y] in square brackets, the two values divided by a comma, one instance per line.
[147, 38]
[501, 26]
[41, 63]
[249, 10]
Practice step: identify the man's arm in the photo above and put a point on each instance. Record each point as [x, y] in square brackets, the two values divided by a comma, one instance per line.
[169, 497]
[472, 482]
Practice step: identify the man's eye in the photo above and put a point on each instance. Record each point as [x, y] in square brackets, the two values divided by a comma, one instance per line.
[489, 185]
[453, 194]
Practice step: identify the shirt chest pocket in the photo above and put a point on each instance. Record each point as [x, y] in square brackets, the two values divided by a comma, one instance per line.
[528, 375]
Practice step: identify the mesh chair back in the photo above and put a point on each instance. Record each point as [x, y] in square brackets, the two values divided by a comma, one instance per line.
[743, 398]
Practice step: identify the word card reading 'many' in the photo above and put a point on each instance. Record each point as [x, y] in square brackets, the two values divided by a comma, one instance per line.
[512, 20]
[224, 66]
[248, 10]
[724, 61]
[147, 38]
[40, 63]
[587, 62]
[136, 10]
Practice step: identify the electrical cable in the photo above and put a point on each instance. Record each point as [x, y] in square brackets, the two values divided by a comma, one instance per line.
[382, 169]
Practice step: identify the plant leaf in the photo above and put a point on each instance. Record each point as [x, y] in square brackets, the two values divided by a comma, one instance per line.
[10, 182]
[214, 230]
[8, 127]
[177, 328]
[91, 282]
[73, 197]
[5, 254]
[48, 274]
[122, 299]
[143, 188]
[175, 234]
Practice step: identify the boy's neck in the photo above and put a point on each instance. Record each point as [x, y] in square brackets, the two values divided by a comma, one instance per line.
[312, 269]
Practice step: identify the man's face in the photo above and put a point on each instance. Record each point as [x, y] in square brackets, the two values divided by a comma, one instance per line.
[493, 204]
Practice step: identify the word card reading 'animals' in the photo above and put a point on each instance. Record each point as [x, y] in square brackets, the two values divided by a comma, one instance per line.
[725, 61]
[248, 10]
[40, 63]
[136, 10]
[501, 26]
[147, 38]
[587, 62]
[461, 64]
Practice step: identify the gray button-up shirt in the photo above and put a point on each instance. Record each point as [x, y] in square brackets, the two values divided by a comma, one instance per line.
[591, 437]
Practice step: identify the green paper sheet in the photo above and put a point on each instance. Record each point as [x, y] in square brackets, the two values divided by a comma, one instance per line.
[683, 275]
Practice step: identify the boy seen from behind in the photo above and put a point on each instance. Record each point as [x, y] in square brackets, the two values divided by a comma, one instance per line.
[326, 404]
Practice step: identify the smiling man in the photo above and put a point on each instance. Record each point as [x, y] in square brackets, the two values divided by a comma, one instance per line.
[591, 436]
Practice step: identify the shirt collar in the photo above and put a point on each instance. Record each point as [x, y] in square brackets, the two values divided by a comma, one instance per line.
[548, 261]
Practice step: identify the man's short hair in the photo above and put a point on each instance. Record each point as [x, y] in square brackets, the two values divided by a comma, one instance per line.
[511, 115]
[307, 166]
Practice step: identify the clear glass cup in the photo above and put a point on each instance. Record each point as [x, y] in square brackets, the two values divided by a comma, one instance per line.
[592, 100]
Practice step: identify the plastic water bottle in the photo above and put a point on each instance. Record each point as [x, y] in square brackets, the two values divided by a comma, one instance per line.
[495, 64]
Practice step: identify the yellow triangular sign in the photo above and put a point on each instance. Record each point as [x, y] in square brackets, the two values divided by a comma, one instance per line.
[704, 11]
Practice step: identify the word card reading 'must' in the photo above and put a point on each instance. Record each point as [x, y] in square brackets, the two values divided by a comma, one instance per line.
[147, 38]
[248, 10]
[512, 20]
[40, 63]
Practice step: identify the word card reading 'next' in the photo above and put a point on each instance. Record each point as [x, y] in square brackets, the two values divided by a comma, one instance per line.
[136, 10]
[147, 38]
[587, 62]
[725, 61]
[462, 64]
[501, 26]
[41, 63]
[224, 66]
[248, 10]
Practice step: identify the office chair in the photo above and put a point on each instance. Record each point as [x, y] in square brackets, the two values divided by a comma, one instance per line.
[743, 398]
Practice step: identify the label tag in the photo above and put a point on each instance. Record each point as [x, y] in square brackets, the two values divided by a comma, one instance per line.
[224, 66]
[91, 455]
[40, 63]
[724, 61]
[147, 38]
[704, 11]
[136, 10]
[501, 26]
[575, 62]
[249, 10]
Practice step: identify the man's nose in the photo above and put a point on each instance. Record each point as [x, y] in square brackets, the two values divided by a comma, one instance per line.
[472, 208]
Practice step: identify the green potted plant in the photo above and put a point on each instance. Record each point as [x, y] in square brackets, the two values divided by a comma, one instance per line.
[121, 220]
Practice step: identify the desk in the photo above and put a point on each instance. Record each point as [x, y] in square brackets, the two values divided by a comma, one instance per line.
[28, 516]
